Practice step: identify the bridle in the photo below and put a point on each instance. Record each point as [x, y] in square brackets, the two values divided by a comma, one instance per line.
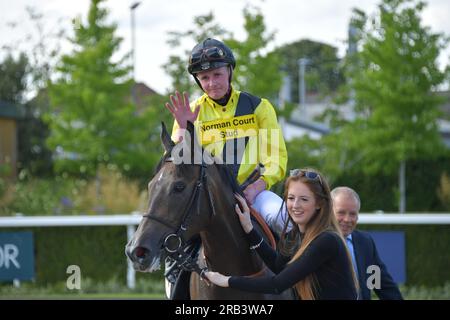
[174, 246]
[177, 250]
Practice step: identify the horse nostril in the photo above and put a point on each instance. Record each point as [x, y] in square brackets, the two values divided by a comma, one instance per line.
[140, 252]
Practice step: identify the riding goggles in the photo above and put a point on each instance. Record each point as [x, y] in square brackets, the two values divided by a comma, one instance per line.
[311, 175]
[209, 54]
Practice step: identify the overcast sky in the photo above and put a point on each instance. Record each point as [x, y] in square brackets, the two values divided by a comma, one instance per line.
[325, 21]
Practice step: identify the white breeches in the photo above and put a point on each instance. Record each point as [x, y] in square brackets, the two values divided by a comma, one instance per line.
[268, 204]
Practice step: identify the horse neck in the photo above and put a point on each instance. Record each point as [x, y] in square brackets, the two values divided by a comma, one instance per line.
[226, 247]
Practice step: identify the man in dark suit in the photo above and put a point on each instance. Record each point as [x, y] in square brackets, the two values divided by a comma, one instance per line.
[346, 206]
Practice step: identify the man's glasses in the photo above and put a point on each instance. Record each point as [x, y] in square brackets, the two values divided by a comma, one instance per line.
[311, 175]
[213, 53]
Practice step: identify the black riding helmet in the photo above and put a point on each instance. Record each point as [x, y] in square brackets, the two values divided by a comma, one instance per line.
[210, 54]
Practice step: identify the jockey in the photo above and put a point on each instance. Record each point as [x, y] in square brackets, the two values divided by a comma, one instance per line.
[239, 128]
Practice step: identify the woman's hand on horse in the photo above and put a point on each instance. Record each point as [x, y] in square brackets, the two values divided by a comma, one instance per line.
[181, 110]
[244, 216]
[217, 278]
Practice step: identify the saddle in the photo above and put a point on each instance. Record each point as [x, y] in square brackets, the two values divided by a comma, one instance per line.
[261, 225]
[268, 234]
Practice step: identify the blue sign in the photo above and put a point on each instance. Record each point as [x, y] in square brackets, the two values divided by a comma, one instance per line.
[16, 256]
[391, 248]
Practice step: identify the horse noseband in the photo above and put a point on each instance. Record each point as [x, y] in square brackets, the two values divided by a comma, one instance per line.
[172, 243]
[183, 255]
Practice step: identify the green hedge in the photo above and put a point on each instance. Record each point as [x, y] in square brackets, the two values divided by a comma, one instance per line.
[99, 251]
[427, 252]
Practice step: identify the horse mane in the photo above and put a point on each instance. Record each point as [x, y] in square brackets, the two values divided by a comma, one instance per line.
[229, 178]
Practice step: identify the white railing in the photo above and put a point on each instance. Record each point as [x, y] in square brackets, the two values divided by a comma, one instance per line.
[71, 221]
[133, 219]
[405, 218]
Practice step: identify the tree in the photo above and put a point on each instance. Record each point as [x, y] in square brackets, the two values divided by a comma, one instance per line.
[323, 71]
[257, 69]
[40, 47]
[396, 112]
[176, 67]
[12, 87]
[93, 122]
[13, 79]
[33, 156]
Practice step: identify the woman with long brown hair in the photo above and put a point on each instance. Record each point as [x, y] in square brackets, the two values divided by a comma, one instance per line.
[313, 257]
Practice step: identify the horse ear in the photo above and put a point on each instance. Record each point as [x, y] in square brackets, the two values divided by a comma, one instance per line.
[166, 139]
[190, 128]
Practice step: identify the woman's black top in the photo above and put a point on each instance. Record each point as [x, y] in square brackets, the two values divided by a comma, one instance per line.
[326, 257]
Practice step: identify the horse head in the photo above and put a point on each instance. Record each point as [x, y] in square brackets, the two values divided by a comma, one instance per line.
[180, 202]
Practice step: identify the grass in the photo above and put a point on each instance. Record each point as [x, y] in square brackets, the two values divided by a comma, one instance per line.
[89, 296]
[426, 293]
[112, 289]
[154, 290]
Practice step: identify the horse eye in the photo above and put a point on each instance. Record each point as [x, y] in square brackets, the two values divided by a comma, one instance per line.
[179, 186]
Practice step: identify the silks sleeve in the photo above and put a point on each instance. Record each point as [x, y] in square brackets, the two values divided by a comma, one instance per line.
[272, 148]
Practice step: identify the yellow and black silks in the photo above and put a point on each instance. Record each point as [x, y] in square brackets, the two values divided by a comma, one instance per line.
[244, 133]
